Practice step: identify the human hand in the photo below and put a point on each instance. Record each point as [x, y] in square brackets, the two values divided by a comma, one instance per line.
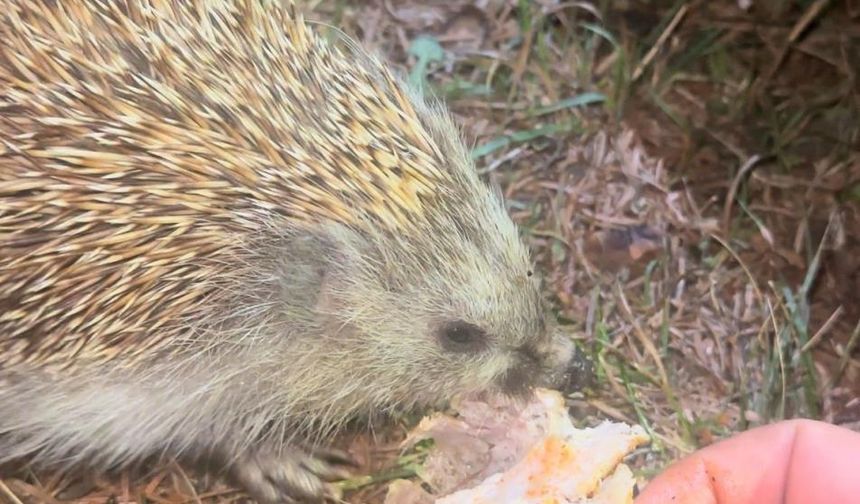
[790, 462]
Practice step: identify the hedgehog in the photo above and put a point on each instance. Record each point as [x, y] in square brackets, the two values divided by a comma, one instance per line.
[224, 237]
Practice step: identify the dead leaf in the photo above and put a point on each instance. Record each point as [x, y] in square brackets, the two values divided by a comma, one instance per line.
[615, 249]
[465, 30]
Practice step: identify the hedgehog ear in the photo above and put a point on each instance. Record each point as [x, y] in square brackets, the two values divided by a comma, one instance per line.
[326, 300]
[323, 256]
[305, 260]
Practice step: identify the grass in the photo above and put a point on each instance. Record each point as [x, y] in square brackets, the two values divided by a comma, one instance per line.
[743, 160]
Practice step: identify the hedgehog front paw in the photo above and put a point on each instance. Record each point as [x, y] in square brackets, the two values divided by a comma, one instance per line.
[295, 476]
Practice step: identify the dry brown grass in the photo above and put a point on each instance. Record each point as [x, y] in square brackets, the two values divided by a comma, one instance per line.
[689, 178]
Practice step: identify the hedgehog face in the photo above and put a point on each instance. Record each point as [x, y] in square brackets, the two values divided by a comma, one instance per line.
[487, 330]
[422, 324]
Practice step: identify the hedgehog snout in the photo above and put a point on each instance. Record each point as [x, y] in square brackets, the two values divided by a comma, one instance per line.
[577, 373]
[564, 366]
[559, 365]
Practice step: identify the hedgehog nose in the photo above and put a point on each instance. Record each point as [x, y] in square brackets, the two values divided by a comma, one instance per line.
[579, 373]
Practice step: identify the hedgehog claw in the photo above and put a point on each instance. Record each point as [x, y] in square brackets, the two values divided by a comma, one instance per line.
[333, 456]
[296, 476]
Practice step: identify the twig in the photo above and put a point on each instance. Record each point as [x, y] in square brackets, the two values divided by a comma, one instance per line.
[802, 24]
[185, 479]
[811, 13]
[609, 411]
[208, 495]
[823, 330]
[513, 153]
[8, 493]
[676, 20]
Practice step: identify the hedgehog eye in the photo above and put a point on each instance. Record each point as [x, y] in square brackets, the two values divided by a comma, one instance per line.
[459, 336]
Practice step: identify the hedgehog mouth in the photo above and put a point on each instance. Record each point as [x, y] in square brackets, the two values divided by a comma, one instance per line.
[526, 371]
[521, 379]
[527, 374]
